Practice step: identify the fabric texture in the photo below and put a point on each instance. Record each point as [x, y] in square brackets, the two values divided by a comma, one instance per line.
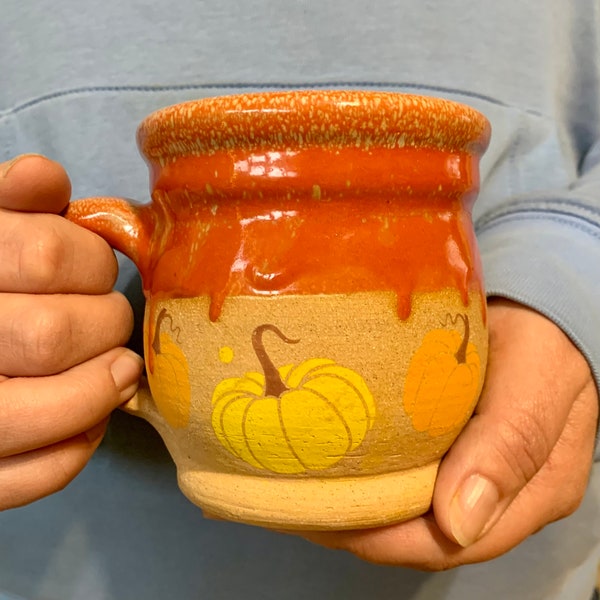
[78, 77]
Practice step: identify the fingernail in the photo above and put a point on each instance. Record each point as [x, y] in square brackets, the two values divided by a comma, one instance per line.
[472, 509]
[7, 166]
[126, 371]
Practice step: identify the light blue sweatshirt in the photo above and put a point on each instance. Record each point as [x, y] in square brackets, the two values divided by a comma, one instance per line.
[76, 77]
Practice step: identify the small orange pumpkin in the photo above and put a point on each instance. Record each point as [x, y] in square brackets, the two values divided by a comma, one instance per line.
[443, 380]
[169, 377]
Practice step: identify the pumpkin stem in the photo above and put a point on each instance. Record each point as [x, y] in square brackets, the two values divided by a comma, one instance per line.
[274, 385]
[461, 353]
[156, 341]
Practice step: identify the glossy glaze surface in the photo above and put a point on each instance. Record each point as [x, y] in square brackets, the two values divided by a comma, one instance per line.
[317, 222]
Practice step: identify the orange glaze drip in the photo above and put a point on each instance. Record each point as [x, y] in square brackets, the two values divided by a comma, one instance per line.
[317, 222]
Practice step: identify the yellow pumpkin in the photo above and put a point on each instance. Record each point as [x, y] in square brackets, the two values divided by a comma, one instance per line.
[293, 419]
[443, 380]
[169, 377]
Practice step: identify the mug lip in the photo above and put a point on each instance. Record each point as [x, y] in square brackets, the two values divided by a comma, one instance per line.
[296, 119]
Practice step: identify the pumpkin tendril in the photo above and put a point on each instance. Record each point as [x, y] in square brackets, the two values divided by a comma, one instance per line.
[274, 385]
[162, 315]
[156, 341]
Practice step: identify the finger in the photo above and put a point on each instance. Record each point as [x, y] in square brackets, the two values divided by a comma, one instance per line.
[39, 412]
[39, 473]
[44, 335]
[418, 544]
[34, 183]
[556, 490]
[519, 419]
[47, 254]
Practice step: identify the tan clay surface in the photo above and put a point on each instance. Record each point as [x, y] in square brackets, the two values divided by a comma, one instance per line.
[249, 455]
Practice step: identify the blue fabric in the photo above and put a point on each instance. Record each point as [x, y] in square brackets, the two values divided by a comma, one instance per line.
[78, 77]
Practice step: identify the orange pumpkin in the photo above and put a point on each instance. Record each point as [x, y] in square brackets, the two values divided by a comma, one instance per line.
[443, 381]
[169, 377]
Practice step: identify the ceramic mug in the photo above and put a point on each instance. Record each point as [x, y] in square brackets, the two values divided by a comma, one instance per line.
[315, 325]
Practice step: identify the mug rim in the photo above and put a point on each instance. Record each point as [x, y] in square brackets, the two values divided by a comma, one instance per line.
[297, 119]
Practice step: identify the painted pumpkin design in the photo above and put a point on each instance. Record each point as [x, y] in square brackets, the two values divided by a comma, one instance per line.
[443, 380]
[169, 377]
[293, 419]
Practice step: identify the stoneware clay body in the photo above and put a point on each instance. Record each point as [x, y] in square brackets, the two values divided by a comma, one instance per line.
[315, 332]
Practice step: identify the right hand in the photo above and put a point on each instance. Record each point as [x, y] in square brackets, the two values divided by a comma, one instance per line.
[63, 367]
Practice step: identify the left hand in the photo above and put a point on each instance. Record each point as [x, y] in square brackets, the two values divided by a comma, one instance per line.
[522, 461]
[63, 367]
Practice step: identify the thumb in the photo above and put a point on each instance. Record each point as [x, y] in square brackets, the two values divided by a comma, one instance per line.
[529, 391]
[34, 183]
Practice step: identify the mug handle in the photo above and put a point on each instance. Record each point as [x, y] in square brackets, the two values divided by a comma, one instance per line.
[142, 405]
[125, 225]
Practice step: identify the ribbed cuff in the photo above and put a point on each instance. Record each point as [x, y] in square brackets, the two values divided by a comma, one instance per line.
[551, 263]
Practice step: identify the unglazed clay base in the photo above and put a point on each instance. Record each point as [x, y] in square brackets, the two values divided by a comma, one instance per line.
[313, 504]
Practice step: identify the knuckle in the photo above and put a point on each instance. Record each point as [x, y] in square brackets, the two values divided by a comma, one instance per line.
[46, 338]
[42, 258]
[522, 445]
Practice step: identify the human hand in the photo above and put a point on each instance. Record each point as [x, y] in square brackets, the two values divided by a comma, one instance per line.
[522, 462]
[62, 367]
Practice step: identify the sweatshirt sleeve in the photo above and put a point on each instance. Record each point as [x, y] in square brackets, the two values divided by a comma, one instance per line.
[543, 251]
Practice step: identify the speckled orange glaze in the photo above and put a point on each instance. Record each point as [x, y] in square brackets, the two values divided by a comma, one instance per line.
[302, 119]
[305, 193]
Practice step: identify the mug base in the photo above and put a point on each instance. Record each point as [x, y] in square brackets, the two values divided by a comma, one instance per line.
[313, 504]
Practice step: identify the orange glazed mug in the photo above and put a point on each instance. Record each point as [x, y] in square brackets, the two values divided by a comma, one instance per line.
[315, 332]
